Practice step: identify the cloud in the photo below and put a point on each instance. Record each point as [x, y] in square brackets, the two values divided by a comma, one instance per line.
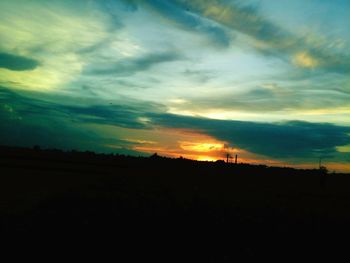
[128, 114]
[26, 121]
[230, 15]
[267, 37]
[187, 20]
[303, 59]
[283, 140]
[127, 67]
[201, 76]
[51, 33]
[292, 140]
[17, 63]
[113, 8]
[57, 133]
[243, 18]
[117, 115]
[269, 98]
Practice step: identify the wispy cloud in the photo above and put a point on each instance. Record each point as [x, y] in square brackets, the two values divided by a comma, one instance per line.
[53, 36]
[131, 66]
[269, 98]
[187, 20]
[268, 37]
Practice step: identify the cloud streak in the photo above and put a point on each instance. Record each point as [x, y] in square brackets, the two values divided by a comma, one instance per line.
[192, 22]
[269, 98]
[132, 66]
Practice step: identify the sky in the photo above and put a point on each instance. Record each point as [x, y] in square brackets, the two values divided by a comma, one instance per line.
[268, 80]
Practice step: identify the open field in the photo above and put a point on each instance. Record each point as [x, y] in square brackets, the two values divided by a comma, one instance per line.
[204, 204]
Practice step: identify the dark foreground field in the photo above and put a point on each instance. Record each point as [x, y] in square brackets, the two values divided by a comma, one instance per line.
[172, 209]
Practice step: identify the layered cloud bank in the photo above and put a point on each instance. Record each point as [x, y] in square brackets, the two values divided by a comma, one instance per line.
[269, 80]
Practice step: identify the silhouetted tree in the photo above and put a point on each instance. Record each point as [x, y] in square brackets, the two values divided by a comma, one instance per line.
[154, 156]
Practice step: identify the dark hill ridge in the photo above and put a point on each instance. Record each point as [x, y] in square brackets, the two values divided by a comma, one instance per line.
[82, 194]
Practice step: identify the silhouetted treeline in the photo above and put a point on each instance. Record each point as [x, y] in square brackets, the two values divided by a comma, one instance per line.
[45, 156]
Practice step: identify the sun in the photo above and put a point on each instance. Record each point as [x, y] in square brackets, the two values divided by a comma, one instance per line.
[201, 146]
[206, 158]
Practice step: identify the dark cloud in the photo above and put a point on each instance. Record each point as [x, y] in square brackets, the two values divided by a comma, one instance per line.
[117, 115]
[122, 115]
[131, 66]
[17, 63]
[285, 140]
[54, 132]
[27, 120]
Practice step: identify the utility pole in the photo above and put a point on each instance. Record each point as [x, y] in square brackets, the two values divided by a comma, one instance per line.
[236, 159]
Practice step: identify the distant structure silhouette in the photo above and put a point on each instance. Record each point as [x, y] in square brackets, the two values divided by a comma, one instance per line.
[230, 157]
[227, 157]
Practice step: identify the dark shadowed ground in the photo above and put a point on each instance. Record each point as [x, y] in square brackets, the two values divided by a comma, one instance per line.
[172, 209]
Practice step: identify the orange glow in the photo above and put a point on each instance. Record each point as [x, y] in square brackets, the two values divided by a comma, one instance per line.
[189, 144]
[195, 145]
[201, 146]
[305, 60]
[207, 158]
